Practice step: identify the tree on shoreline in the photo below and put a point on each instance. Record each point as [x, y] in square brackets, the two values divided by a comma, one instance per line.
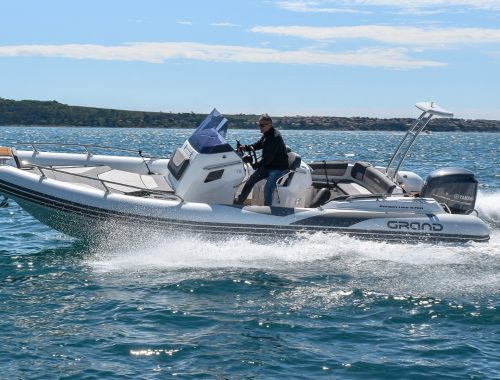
[53, 113]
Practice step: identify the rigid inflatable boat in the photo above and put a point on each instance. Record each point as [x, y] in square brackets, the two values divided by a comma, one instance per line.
[86, 194]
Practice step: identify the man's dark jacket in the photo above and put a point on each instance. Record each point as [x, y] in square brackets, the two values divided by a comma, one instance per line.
[274, 155]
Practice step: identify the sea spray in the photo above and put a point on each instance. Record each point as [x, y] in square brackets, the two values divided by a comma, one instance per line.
[442, 270]
[488, 207]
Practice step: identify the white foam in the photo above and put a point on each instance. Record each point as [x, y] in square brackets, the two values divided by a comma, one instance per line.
[199, 252]
[404, 269]
[388, 268]
[488, 206]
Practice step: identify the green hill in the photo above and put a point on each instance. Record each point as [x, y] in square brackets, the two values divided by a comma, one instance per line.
[53, 113]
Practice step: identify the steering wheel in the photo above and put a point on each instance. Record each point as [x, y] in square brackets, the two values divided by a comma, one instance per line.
[247, 155]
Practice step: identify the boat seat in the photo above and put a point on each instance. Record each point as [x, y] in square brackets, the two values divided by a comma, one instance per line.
[321, 197]
[368, 180]
[371, 178]
[67, 174]
[294, 161]
[324, 171]
[377, 182]
[143, 181]
[331, 168]
[289, 187]
[352, 188]
[90, 176]
[359, 169]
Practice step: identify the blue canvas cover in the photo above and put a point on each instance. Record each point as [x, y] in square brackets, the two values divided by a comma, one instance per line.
[209, 137]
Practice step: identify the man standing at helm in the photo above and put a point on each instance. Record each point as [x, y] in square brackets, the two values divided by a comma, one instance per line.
[274, 162]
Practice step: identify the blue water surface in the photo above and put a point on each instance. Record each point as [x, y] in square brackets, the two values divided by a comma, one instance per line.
[185, 306]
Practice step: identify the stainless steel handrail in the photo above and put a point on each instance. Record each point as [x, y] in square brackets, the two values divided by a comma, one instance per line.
[87, 149]
[348, 197]
[223, 165]
[416, 128]
[85, 146]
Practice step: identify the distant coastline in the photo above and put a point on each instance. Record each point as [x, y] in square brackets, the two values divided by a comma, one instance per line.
[53, 113]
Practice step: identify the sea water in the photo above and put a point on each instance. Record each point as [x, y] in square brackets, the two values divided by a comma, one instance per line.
[320, 306]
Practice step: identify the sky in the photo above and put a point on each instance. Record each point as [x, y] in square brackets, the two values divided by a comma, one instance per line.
[372, 58]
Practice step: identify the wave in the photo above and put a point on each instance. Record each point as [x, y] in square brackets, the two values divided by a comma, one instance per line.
[488, 206]
[196, 251]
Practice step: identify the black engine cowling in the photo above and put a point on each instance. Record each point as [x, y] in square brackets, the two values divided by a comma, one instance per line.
[455, 187]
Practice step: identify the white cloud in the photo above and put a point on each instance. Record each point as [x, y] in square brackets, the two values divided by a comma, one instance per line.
[395, 35]
[181, 22]
[312, 7]
[479, 4]
[162, 52]
[224, 24]
[334, 6]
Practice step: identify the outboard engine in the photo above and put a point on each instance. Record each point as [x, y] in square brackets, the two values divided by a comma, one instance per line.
[455, 187]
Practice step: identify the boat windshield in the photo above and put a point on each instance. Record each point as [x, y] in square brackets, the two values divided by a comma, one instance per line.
[210, 135]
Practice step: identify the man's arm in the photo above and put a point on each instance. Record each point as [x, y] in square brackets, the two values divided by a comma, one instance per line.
[258, 144]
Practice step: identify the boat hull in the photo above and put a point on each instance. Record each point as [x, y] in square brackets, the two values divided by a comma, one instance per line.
[91, 214]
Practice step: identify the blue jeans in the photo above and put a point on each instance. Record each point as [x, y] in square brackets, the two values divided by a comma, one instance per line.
[272, 176]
